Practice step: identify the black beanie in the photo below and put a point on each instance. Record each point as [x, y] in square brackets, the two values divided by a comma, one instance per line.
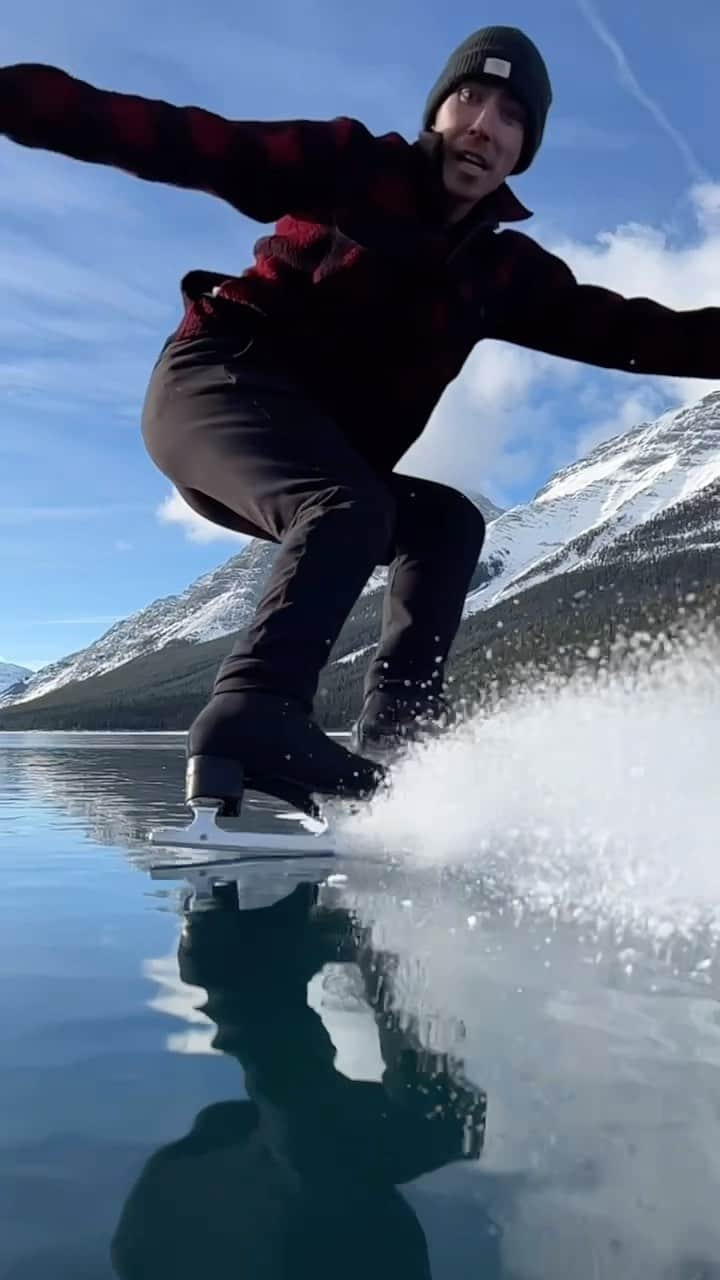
[506, 56]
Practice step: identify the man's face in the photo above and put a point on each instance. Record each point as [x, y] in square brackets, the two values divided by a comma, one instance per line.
[483, 128]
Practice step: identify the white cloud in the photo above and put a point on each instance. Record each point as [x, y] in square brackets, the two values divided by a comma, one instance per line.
[174, 510]
[638, 260]
[497, 426]
[643, 261]
[491, 428]
[631, 84]
[121, 544]
[706, 196]
[622, 413]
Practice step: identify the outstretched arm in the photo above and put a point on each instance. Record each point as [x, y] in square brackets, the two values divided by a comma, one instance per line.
[548, 310]
[263, 169]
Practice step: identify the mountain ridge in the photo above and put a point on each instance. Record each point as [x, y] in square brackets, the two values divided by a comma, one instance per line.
[649, 495]
[12, 674]
[218, 603]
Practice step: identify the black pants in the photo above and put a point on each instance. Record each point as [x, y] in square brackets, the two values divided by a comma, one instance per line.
[248, 450]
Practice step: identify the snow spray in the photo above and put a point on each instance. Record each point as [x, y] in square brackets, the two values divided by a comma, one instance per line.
[592, 800]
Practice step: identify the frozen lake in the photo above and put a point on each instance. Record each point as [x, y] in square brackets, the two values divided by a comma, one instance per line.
[210, 1093]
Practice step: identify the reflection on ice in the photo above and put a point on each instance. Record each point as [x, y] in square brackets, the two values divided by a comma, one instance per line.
[556, 936]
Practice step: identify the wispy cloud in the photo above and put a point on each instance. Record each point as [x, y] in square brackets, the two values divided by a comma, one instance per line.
[565, 133]
[31, 514]
[37, 274]
[100, 619]
[34, 182]
[324, 79]
[632, 85]
[625, 410]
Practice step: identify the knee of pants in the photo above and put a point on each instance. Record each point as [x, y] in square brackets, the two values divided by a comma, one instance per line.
[463, 522]
[367, 514]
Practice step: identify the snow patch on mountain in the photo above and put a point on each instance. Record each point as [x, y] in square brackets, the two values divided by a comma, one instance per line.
[217, 604]
[589, 506]
[580, 515]
[11, 674]
[221, 601]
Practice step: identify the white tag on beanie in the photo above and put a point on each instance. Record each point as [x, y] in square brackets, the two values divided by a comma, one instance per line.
[497, 67]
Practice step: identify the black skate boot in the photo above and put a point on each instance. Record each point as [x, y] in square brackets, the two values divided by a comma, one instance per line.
[262, 741]
[391, 722]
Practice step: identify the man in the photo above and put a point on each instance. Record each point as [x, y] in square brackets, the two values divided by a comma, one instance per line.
[283, 401]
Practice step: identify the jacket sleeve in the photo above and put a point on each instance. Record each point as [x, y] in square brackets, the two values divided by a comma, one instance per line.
[545, 308]
[264, 170]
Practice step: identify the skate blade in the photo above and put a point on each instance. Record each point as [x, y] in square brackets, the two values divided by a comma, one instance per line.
[209, 833]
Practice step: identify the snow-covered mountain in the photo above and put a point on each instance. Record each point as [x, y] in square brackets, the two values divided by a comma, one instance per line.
[11, 674]
[585, 513]
[586, 510]
[215, 605]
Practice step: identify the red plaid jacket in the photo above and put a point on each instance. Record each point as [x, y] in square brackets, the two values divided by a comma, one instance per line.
[376, 304]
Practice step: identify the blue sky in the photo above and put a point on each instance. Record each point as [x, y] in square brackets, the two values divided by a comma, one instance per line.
[90, 260]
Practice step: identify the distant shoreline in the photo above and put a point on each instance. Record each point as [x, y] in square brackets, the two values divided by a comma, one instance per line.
[114, 733]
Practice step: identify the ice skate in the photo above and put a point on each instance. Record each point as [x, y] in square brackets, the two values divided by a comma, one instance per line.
[390, 725]
[262, 742]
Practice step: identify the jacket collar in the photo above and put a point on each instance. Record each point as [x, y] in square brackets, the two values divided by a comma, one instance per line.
[504, 206]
